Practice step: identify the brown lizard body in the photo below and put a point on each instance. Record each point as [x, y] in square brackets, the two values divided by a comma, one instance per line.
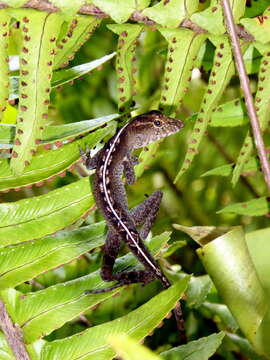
[109, 192]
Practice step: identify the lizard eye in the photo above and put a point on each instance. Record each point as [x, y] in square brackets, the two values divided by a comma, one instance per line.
[157, 123]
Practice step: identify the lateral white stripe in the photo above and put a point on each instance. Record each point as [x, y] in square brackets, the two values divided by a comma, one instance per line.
[110, 204]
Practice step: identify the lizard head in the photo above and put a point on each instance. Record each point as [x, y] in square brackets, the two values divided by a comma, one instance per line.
[153, 126]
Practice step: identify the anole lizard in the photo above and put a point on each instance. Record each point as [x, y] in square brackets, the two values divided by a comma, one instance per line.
[109, 192]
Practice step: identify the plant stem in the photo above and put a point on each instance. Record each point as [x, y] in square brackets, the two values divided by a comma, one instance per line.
[13, 334]
[247, 92]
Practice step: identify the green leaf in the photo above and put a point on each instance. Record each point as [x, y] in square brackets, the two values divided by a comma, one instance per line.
[172, 13]
[230, 266]
[25, 261]
[255, 207]
[119, 10]
[54, 133]
[178, 68]
[5, 351]
[125, 60]
[49, 163]
[61, 77]
[223, 170]
[229, 114]
[129, 349]
[201, 349]
[43, 311]
[67, 7]
[79, 29]
[40, 30]
[4, 86]
[258, 27]
[262, 106]
[222, 71]
[220, 312]
[211, 19]
[39, 216]
[198, 289]
[91, 344]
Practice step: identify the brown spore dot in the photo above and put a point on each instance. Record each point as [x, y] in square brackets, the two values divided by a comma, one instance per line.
[263, 70]
[213, 82]
[262, 78]
[32, 151]
[217, 64]
[220, 109]
[121, 90]
[170, 59]
[25, 29]
[167, 79]
[221, 46]
[268, 54]
[197, 130]
[258, 100]
[26, 163]
[121, 79]
[38, 141]
[20, 131]
[25, 50]
[236, 103]
[4, 34]
[171, 49]
[25, 72]
[58, 144]
[213, 73]
[24, 62]
[219, 55]
[169, 69]
[47, 90]
[187, 161]
[14, 154]
[25, 19]
[45, 116]
[209, 91]
[39, 183]
[60, 46]
[265, 62]
[23, 108]
[200, 120]
[260, 88]
[124, 33]
[46, 102]
[204, 101]
[47, 146]
[193, 141]
[17, 142]
[62, 174]
[52, 52]
[64, 41]
[166, 87]
[214, 9]
[134, 59]
[123, 98]
[164, 98]
[53, 39]
[120, 69]
[27, 38]
[49, 63]
[174, 40]
[23, 83]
